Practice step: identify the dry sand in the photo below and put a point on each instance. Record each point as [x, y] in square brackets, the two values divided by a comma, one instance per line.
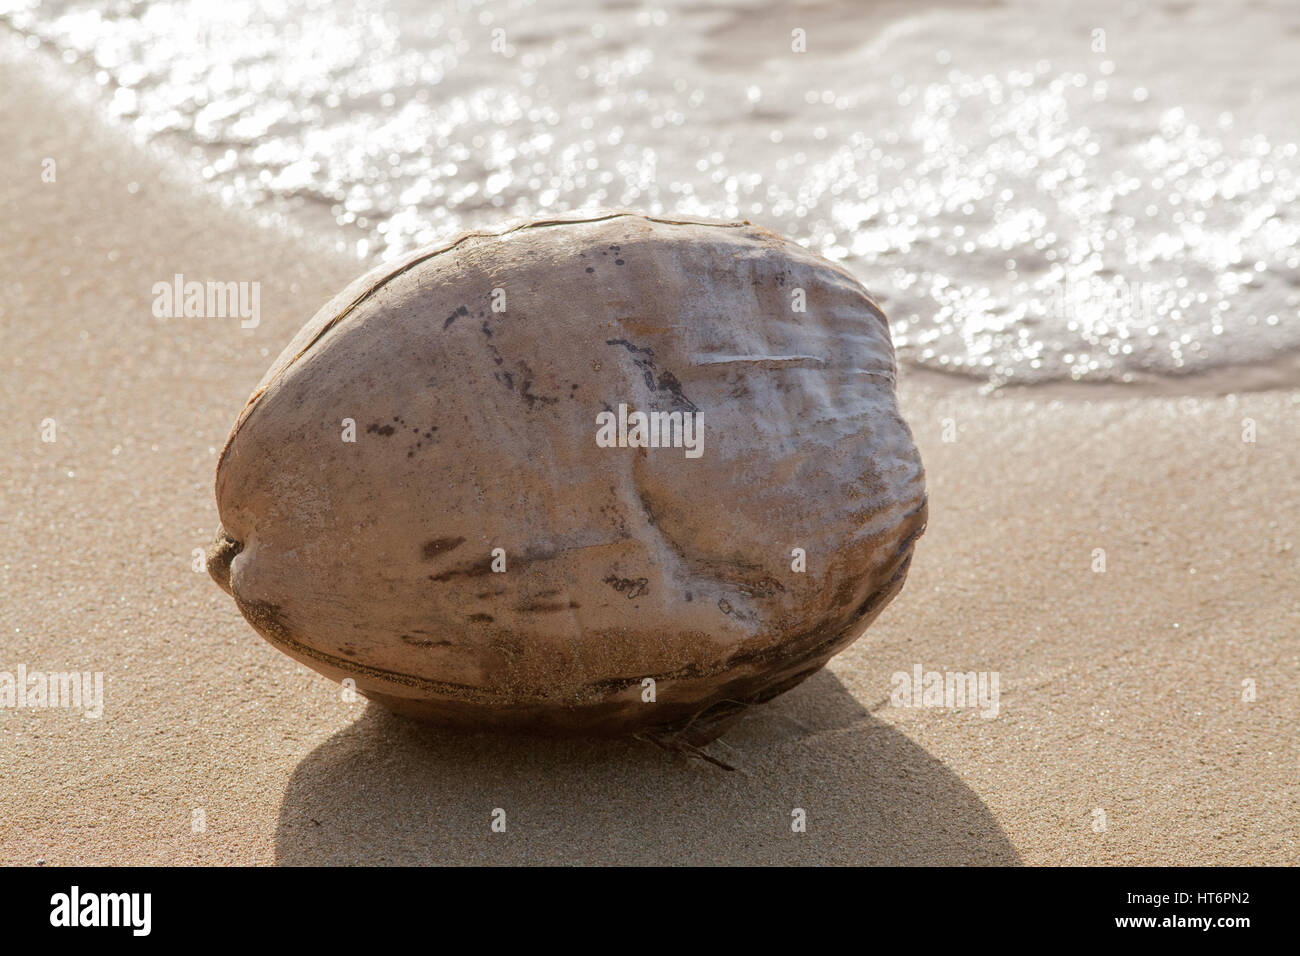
[1121, 691]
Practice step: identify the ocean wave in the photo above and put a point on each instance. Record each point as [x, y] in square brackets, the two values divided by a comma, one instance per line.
[1035, 192]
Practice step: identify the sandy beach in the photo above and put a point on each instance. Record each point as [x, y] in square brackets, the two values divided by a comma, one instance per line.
[1148, 712]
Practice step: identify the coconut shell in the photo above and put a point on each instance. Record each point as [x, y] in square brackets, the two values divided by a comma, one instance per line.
[643, 589]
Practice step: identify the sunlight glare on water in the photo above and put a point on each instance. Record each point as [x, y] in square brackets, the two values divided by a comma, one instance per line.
[1031, 199]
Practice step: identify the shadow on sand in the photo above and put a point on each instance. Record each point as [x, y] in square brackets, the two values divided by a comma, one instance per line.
[387, 790]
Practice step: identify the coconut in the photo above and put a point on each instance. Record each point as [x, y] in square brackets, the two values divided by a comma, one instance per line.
[607, 475]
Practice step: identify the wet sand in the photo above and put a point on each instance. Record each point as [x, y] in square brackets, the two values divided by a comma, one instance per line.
[1121, 692]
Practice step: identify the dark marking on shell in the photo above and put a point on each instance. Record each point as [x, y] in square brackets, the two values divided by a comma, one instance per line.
[630, 347]
[525, 390]
[424, 642]
[666, 382]
[634, 587]
[454, 316]
[437, 546]
[485, 567]
[749, 579]
[546, 607]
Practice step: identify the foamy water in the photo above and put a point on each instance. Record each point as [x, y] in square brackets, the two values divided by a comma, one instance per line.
[1036, 192]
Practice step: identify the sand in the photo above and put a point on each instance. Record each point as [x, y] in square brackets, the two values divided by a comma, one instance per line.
[1121, 691]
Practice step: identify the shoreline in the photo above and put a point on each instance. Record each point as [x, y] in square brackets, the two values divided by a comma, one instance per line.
[315, 233]
[1121, 690]
[310, 232]
[1280, 375]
